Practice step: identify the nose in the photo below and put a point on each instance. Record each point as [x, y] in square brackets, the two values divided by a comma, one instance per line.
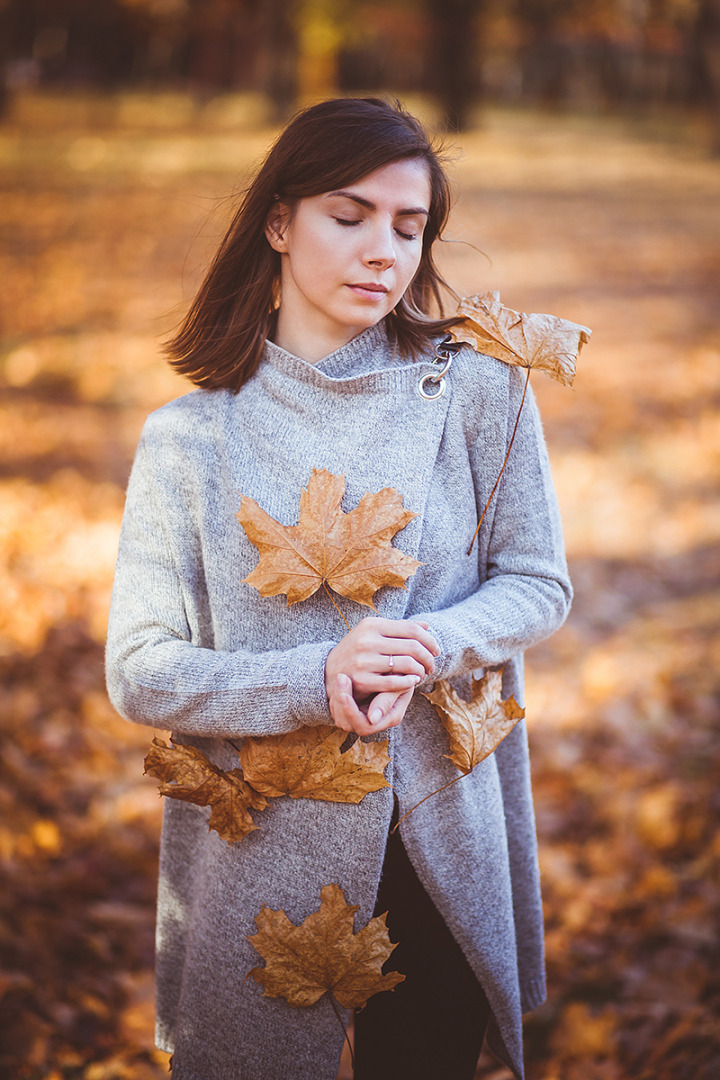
[380, 251]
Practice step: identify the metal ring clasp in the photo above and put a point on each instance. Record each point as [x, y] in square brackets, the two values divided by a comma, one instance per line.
[444, 353]
[439, 383]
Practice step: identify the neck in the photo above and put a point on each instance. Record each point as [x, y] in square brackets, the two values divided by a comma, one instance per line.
[310, 342]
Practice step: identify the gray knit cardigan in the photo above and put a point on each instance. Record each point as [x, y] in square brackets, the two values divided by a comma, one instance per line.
[194, 650]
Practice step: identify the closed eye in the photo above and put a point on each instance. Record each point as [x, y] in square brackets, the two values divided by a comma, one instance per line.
[349, 222]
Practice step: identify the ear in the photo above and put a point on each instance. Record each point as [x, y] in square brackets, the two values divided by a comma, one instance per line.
[276, 226]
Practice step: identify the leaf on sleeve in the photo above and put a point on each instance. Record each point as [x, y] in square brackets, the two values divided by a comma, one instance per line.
[537, 341]
[308, 764]
[351, 553]
[477, 727]
[323, 954]
[187, 774]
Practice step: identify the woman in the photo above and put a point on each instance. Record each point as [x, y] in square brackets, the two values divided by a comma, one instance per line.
[313, 347]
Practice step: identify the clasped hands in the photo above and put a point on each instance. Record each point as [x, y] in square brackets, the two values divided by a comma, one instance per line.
[371, 674]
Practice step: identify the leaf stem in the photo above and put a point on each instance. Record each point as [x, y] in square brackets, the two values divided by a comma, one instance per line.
[502, 469]
[342, 1025]
[335, 605]
[436, 792]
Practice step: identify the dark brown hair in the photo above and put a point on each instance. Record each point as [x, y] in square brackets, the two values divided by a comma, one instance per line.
[326, 146]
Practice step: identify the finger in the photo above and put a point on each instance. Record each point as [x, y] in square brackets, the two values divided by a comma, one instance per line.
[387, 657]
[346, 713]
[397, 711]
[405, 628]
[416, 657]
[380, 706]
[396, 664]
[376, 683]
[344, 708]
[386, 637]
[387, 710]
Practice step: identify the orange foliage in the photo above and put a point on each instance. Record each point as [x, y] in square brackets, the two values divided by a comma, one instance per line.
[475, 728]
[323, 954]
[622, 704]
[350, 552]
[308, 763]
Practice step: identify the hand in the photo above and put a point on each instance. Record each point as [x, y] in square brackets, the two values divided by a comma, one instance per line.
[348, 715]
[382, 655]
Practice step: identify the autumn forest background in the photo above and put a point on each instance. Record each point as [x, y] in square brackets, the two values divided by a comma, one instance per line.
[582, 140]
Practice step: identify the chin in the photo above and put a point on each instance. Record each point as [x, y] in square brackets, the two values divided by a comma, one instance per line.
[363, 321]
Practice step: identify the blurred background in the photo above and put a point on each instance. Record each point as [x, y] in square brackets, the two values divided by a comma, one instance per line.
[582, 138]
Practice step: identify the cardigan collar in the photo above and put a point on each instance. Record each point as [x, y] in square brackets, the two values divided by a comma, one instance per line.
[369, 353]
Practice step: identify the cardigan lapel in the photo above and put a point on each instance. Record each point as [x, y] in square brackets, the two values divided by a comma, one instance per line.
[374, 428]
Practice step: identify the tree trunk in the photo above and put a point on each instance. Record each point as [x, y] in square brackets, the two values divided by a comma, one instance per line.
[452, 60]
[707, 50]
[280, 48]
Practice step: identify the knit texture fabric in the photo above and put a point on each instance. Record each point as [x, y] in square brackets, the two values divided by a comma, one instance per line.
[194, 650]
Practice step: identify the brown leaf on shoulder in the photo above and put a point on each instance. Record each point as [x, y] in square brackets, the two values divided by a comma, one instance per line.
[308, 764]
[323, 954]
[477, 727]
[532, 341]
[188, 775]
[351, 553]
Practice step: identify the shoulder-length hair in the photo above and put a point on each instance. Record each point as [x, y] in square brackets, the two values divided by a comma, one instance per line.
[327, 146]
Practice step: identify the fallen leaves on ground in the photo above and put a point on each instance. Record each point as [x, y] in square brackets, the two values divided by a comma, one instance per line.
[624, 729]
[351, 553]
[477, 727]
[309, 764]
[537, 341]
[323, 954]
[188, 775]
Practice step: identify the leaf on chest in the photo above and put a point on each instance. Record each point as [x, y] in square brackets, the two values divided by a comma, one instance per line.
[308, 764]
[188, 775]
[323, 954]
[304, 764]
[537, 341]
[475, 728]
[351, 553]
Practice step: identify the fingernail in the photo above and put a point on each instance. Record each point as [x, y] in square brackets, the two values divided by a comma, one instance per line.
[375, 716]
[416, 678]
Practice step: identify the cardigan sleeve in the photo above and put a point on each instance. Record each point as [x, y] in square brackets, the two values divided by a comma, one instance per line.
[157, 675]
[526, 593]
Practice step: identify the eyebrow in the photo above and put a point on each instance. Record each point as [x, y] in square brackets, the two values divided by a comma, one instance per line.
[409, 212]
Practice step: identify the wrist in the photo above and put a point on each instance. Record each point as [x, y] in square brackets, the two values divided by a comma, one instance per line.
[330, 674]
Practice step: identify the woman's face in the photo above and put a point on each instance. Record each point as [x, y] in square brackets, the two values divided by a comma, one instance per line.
[348, 256]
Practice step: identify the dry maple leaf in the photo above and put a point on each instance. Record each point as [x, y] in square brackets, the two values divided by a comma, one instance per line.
[351, 552]
[323, 954]
[308, 764]
[531, 341]
[188, 775]
[476, 727]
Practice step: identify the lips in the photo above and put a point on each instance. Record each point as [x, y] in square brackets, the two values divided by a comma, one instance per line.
[369, 289]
